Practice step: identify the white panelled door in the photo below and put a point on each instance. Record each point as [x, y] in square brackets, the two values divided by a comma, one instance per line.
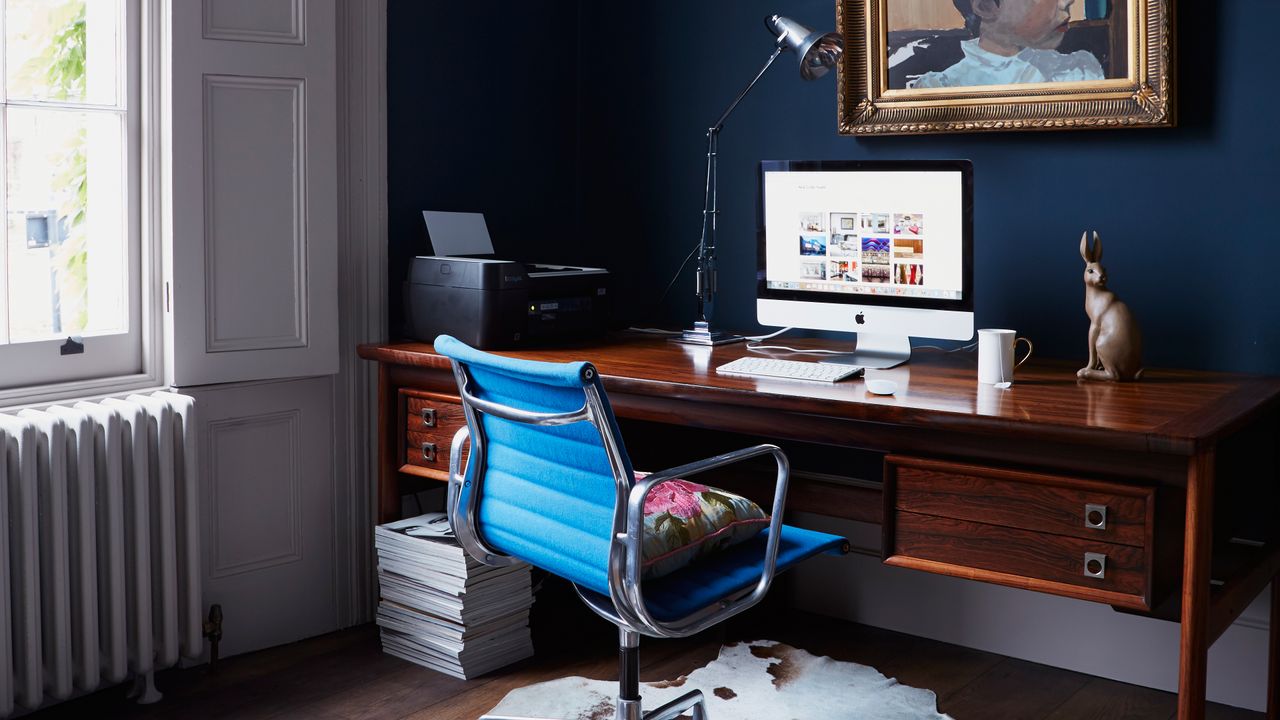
[251, 280]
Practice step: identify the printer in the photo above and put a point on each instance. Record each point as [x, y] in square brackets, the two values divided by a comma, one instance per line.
[489, 303]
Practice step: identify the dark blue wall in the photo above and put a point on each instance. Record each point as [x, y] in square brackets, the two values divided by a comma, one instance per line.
[1188, 215]
[482, 117]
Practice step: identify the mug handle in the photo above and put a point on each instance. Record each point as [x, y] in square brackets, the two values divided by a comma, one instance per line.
[1030, 349]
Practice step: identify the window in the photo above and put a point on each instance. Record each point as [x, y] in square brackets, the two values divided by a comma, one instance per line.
[71, 261]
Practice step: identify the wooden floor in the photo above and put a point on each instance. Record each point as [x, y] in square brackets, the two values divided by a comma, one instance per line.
[344, 676]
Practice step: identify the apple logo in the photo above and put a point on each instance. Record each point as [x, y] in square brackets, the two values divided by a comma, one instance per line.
[860, 319]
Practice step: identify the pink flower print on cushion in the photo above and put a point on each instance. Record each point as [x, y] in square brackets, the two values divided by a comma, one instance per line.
[685, 485]
[678, 497]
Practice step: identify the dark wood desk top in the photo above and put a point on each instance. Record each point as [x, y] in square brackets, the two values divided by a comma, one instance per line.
[1169, 411]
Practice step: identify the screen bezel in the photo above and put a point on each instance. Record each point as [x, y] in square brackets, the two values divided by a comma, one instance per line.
[964, 167]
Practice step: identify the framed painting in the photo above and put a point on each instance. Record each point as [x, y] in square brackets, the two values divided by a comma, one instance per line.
[937, 66]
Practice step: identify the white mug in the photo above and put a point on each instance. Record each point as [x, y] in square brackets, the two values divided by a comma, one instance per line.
[995, 355]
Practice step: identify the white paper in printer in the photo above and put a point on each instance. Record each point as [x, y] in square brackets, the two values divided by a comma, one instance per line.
[454, 234]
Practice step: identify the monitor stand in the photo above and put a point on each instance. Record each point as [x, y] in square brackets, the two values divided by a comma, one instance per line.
[702, 334]
[876, 352]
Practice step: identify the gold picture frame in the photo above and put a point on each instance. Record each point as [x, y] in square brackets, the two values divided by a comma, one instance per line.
[1142, 97]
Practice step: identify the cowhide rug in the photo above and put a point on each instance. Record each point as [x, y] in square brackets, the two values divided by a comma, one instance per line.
[760, 680]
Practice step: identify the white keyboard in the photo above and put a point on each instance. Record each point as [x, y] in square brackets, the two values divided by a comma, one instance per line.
[788, 369]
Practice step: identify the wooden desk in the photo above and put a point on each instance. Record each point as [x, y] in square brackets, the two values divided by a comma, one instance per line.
[1102, 492]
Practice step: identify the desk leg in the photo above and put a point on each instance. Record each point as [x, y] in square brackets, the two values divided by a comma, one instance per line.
[1196, 558]
[1273, 677]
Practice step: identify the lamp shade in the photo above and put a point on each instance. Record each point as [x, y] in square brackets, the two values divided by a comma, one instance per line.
[818, 52]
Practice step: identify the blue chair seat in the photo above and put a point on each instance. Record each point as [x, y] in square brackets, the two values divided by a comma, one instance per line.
[728, 572]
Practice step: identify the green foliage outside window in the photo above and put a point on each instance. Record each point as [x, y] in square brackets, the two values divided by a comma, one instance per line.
[62, 66]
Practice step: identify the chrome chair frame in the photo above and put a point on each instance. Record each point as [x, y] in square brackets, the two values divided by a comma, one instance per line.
[625, 607]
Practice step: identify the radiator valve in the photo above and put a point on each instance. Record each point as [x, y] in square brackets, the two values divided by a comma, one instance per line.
[213, 631]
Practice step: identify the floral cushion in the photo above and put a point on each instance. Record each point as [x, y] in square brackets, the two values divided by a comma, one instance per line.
[684, 521]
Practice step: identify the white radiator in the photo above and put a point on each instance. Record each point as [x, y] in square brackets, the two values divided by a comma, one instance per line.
[99, 553]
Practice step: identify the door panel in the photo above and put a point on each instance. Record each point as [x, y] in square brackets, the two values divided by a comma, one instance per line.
[254, 149]
[271, 21]
[252, 163]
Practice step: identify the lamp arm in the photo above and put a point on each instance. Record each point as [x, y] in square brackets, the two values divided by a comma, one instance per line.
[777, 50]
[706, 274]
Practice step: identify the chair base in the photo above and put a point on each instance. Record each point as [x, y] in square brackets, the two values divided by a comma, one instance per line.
[692, 700]
[630, 710]
[629, 700]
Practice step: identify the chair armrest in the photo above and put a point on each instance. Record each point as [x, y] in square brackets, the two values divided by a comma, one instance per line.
[456, 471]
[625, 559]
[460, 506]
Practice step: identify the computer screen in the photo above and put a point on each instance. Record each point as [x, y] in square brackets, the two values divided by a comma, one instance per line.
[845, 245]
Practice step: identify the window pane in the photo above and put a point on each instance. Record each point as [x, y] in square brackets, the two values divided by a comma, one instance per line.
[67, 247]
[63, 50]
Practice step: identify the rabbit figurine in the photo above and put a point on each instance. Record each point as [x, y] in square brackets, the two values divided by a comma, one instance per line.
[1115, 343]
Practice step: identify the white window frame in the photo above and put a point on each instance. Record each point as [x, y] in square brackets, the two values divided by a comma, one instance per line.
[37, 372]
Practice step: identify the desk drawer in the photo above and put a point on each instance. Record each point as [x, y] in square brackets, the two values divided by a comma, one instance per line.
[428, 424]
[1116, 574]
[1086, 509]
[1081, 538]
[431, 414]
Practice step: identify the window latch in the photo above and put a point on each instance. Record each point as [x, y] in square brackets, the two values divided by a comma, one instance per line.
[73, 346]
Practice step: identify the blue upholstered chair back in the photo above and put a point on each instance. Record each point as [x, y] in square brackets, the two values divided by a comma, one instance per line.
[548, 492]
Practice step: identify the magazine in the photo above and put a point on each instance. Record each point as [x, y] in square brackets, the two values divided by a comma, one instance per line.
[442, 608]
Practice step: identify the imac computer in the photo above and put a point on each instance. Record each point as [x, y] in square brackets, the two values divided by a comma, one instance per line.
[880, 248]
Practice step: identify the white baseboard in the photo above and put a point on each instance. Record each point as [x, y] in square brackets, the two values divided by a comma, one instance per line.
[1070, 634]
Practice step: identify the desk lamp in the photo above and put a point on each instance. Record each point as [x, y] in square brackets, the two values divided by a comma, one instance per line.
[818, 52]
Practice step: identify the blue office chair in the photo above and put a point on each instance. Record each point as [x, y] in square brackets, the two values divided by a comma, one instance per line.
[548, 482]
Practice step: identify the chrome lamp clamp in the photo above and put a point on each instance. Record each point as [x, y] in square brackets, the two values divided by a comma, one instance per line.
[817, 53]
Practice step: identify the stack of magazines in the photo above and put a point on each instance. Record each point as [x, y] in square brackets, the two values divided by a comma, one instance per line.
[445, 610]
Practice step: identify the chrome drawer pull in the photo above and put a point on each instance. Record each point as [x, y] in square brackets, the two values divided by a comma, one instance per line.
[1095, 517]
[1095, 565]
[428, 417]
[429, 451]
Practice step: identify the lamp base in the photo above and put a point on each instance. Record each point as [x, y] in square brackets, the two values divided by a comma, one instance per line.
[702, 334]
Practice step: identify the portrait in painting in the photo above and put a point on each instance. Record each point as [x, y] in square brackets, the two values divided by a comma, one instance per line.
[974, 43]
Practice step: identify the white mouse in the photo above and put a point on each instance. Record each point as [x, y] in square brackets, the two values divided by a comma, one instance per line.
[881, 387]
